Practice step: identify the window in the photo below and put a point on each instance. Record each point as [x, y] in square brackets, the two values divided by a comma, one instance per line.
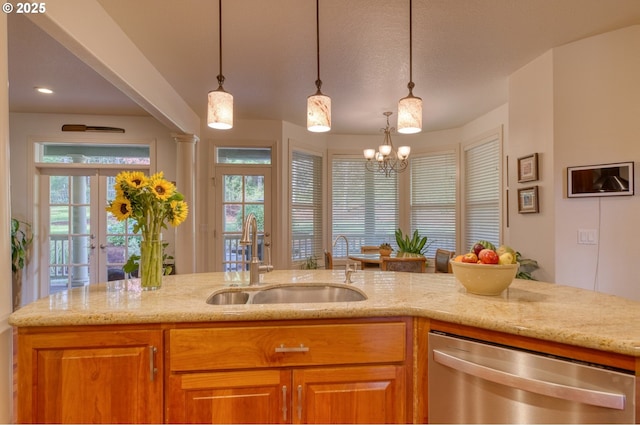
[364, 205]
[482, 192]
[306, 206]
[433, 199]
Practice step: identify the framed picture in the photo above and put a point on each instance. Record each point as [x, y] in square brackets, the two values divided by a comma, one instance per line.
[528, 200]
[600, 180]
[528, 168]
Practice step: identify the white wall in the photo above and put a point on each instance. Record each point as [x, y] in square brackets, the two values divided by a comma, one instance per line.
[531, 131]
[27, 127]
[597, 120]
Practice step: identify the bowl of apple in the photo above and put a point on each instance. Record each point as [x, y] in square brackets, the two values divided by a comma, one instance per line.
[485, 273]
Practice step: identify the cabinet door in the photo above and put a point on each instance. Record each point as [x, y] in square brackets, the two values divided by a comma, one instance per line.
[93, 377]
[255, 396]
[368, 394]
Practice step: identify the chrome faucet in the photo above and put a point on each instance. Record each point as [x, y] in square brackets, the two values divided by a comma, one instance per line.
[255, 267]
[347, 268]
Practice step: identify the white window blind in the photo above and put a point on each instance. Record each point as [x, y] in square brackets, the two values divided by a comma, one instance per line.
[482, 193]
[364, 205]
[433, 199]
[306, 206]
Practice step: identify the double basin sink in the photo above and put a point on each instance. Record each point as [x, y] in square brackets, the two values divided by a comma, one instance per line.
[287, 293]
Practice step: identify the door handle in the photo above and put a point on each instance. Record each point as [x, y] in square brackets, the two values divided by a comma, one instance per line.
[551, 389]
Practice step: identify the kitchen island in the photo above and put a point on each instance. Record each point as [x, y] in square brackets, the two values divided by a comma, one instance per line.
[184, 346]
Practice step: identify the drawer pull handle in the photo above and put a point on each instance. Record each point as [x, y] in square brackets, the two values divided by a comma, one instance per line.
[283, 349]
[284, 403]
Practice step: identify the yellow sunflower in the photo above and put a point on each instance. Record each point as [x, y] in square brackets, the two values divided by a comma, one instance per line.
[161, 188]
[120, 208]
[134, 179]
[178, 213]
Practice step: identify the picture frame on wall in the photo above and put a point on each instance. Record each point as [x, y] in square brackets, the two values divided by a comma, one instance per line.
[528, 200]
[528, 168]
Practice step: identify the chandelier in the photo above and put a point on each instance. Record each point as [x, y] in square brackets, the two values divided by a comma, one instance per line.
[386, 160]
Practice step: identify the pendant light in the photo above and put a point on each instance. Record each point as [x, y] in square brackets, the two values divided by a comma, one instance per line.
[220, 103]
[318, 105]
[410, 107]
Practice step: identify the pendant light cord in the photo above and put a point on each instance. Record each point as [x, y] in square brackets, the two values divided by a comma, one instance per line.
[220, 76]
[318, 81]
[411, 85]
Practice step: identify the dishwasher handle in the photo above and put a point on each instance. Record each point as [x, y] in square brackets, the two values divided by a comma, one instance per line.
[565, 392]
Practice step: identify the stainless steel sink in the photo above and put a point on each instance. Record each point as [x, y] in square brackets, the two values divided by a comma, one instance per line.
[228, 297]
[282, 294]
[307, 294]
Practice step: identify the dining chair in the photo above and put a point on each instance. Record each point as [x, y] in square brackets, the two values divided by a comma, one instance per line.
[328, 260]
[369, 249]
[443, 257]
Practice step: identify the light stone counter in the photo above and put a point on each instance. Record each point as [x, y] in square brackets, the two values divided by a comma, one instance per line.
[535, 309]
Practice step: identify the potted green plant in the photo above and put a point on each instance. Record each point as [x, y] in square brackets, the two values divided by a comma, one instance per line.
[385, 249]
[20, 240]
[311, 263]
[414, 245]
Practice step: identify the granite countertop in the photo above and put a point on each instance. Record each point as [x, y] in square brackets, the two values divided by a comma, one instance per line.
[536, 309]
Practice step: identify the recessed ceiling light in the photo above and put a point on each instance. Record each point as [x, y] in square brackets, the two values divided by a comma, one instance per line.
[44, 90]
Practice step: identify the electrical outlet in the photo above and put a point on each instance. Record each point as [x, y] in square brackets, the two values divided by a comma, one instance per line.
[587, 237]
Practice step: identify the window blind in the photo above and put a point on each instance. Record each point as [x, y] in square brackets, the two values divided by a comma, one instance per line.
[433, 199]
[306, 206]
[482, 193]
[364, 205]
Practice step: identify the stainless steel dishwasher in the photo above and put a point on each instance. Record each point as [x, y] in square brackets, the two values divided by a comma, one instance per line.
[477, 382]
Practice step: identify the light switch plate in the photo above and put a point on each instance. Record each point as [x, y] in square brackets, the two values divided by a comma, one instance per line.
[587, 237]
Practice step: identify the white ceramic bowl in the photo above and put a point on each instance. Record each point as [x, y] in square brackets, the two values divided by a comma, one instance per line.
[484, 279]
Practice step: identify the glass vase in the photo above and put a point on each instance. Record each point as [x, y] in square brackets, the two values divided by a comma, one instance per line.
[151, 264]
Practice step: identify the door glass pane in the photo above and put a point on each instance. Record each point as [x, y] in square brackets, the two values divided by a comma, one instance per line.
[121, 242]
[233, 218]
[232, 188]
[243, 194]
[254, 189]
[69, 232]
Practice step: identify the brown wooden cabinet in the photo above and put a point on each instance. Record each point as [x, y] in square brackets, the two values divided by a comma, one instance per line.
[89, 375]
[289, 373]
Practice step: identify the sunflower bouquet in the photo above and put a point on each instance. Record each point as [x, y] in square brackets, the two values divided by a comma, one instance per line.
[150, 202]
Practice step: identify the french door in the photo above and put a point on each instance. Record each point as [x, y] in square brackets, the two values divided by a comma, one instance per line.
[82, 243]
[241, 190]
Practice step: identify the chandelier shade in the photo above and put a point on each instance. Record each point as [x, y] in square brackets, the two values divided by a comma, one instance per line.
[410, 107]
[220, 102]
[386, 160]
[318, 104]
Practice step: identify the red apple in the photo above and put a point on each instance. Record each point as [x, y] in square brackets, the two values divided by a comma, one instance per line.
[488, 256]
[470, 257]
[477, 248]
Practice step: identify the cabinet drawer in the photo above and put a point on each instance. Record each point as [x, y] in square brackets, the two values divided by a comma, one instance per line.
[266, 346]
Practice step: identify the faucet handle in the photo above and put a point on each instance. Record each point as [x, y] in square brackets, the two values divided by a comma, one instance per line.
[267, 249]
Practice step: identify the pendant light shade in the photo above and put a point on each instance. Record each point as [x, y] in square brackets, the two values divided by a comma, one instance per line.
[410, 107]
[318, 104]
[410, 114]
[220, 103]
[318, 113]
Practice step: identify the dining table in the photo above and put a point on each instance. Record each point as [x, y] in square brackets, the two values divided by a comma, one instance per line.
[395, 261]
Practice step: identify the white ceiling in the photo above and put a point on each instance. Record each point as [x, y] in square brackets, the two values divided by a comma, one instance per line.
[463, 53]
